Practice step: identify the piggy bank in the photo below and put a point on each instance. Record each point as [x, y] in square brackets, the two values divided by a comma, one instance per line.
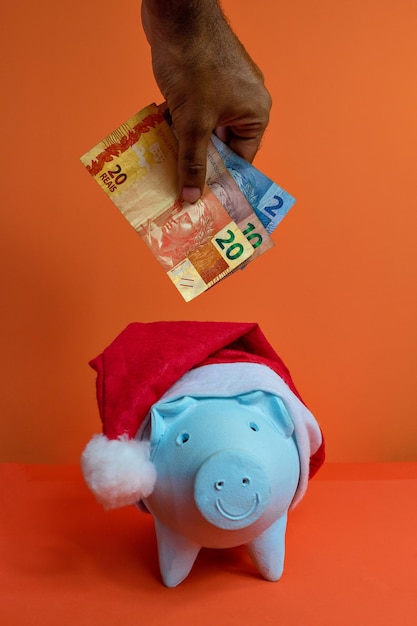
[204, 429]
[227, 472]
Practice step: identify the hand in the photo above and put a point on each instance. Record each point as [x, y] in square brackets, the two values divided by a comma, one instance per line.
[209, 82]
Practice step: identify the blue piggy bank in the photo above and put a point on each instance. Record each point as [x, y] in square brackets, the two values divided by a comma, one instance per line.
[227, 472]
[204, 429]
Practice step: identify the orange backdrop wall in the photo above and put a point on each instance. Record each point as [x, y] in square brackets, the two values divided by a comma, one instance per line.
[337, 296]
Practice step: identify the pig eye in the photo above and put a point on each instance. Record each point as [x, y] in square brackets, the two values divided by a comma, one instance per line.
[254, 427]
[182, 439]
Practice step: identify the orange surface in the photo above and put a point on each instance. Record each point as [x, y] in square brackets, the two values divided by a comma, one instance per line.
[351, 557]
[337, 295]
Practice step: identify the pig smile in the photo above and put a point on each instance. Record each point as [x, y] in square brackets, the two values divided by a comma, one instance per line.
[238, 516]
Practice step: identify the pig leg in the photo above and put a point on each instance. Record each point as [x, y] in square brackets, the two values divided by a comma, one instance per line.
[176, 554]
[267, 551]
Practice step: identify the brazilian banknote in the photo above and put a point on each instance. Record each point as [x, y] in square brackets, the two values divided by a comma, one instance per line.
[268, 200]
[197, 244]
[223, 185]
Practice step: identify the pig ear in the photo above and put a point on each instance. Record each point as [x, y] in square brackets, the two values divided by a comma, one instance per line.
[272, 406]
[281, 416]
[167, 410]
[174, 408]
[158, 427]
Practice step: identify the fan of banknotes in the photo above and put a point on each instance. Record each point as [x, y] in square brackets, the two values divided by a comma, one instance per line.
[197, 244]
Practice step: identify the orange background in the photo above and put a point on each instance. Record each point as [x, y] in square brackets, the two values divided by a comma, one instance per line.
[337, 295]
[69, 563]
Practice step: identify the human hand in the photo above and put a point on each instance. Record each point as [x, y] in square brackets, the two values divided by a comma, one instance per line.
[208, 81]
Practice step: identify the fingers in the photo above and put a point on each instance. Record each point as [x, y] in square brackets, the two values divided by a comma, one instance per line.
[245, 147]
[193, 134]
[244, 140]
[190, 194]
[245, 134]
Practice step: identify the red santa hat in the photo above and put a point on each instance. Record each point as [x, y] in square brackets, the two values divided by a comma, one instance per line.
[161, 361]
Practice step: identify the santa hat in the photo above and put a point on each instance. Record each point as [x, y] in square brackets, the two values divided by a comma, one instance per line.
[162, 361]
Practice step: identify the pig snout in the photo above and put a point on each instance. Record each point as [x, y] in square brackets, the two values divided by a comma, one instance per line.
[232, 489]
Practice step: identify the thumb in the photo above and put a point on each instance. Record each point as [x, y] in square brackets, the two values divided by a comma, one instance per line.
[193, 139]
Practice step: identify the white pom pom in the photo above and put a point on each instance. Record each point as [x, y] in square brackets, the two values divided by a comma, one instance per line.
[118, 471]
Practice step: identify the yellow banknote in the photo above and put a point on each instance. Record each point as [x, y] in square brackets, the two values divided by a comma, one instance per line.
[136, 165]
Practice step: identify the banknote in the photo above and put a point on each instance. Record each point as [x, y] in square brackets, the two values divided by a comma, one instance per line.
[136, 165]
[225, 188]
[269, 201]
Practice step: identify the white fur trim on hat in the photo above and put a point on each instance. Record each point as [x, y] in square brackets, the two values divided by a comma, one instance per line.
[118, 471]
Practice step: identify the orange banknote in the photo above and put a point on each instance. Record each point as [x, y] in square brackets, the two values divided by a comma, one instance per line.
[136, 165]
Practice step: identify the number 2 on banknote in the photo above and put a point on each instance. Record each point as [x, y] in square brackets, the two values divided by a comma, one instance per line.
[235, 250]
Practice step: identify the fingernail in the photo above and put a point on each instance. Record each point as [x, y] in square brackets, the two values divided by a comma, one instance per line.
[190, 194]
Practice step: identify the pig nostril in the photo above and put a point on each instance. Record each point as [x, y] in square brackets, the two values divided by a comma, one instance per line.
[219, 485]
[254, 427]
[245, 481]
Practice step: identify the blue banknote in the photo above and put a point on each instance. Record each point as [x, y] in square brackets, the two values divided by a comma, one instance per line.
[269, 201]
